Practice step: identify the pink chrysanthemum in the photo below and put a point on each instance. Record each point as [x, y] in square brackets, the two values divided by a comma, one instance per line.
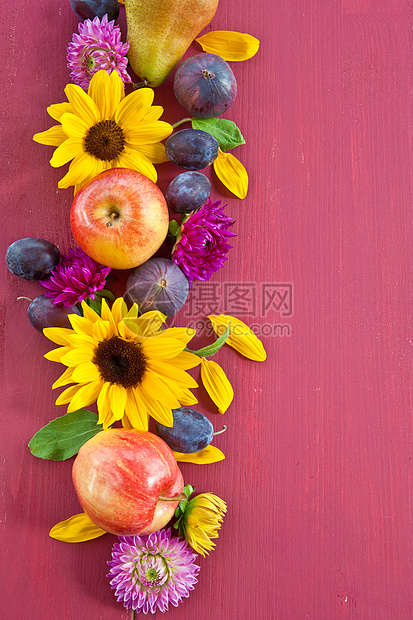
[97, 46]
[201, 245]
[76, 277]
[149, 572]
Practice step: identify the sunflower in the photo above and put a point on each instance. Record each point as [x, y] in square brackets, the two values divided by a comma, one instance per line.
[125, 363]
[104, 129]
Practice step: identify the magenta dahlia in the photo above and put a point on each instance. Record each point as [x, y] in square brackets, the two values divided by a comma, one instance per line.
[149, 572]
[76, 277]
[202, 241]
[97, 46]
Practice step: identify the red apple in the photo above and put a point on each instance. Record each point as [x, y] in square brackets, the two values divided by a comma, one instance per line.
[125, 479]
[120, 218]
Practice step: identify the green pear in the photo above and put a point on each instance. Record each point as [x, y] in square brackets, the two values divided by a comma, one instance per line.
[160, 32]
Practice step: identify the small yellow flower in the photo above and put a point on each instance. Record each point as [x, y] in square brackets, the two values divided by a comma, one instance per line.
[231, 172]
[230, 45]
[104, 129]
[241, 337]
[201, 520]
[76, 529]
[216, 384]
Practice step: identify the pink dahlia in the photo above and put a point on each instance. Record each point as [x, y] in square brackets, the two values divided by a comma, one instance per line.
[202, 242]
[76, 277]
[149, 572]
[97, 46]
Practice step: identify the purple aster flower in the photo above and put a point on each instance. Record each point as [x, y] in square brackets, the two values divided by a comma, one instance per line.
[149, 572]
[76, 277]
[201, 243]
[97, 46]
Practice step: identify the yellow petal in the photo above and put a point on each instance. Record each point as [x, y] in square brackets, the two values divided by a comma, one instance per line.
[89, 313]
[148, 133]
[56, 110]
[210, 454]
[230, 45]
[56, 354]
[154, 152]
[64, 379]
[216, 384]
[85, 372]
[58, 335]
[85, 395]
[51, 137]
[80, 170]
[70, 148]
[241, 337]
[231, 172]
[147, 324]
[157, 410]
[74, 126]
[164, 348]
[103, 404]
[177, 375]
[76, 529]
[134, 107]
[101, 91]
[130, 158]
[137, 416]
[117, 399]
[119, 309]
[77, 356]
[186, 360]
[83, 106]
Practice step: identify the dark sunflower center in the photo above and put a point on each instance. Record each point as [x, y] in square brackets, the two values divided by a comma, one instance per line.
[120, 361]
[105, 140]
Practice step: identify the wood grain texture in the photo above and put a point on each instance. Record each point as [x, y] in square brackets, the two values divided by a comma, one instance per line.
[318, 469]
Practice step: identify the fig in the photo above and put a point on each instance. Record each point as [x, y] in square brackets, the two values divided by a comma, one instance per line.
[158, 284]
[205, 85]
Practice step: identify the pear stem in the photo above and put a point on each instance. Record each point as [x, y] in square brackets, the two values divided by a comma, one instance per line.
[224, 428]
[141, 84]
[179, 498]
[184, 120]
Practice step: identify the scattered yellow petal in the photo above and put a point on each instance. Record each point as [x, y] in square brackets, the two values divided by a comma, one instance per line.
[210, 454]
[216, 384]
[241, 337]
[230, 45]
[231, 172]
[76, 529]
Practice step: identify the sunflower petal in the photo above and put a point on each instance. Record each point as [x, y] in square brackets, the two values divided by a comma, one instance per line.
[186, 360]
[80, 170]
[83, 106]
[101, 91]
[130, 158]
[154, 388]
[117, 398]
[134, 107]
[56, 354]
[70, 148]
[58, 335]
[74, 126]
[216, 384]
[241, 337]
[210, 454]
[85, 372]
[154, 152]
[170, 371]
[148, 133]
[163, 348]
[119, 310]
[230, 45]
[157, 410]
[231, 172]
[64, 379]
[150, 322]
[137, 416]
[85, 395]
[103, 404]
[77, 356]
[56, 110]
[76, 529]
[51, 137]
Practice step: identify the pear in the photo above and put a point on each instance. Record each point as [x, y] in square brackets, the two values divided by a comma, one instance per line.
[160, 32]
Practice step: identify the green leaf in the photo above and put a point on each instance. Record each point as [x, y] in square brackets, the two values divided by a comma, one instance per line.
[95, 304]
[226, 132]
[173, 228]
[213, 348]
[64, 436]
[104, 292]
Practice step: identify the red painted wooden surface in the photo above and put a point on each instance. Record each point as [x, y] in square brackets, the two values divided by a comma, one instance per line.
[319, 443]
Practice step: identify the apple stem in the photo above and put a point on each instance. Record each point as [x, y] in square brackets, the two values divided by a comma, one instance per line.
[179, 498]
[224, 428]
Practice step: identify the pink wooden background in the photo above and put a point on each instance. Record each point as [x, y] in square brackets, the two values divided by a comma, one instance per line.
[318, 469]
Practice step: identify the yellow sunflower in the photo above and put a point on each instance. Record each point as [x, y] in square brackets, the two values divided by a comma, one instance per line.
[104, 129]
[125, 363]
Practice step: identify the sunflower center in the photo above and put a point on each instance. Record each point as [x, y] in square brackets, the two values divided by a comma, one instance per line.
[120, 361]
[105, 140]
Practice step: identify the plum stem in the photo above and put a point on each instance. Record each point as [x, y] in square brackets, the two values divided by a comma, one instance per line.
[179, 498]
[28, 299]
[184, 120]
[224, 428]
